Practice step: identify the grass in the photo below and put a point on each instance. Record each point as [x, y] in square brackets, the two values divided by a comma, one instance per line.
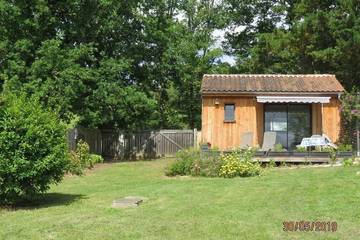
[190, 208]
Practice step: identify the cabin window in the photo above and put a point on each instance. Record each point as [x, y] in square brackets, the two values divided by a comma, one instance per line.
[229, 113]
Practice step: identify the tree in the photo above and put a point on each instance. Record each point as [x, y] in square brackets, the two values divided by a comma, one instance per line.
[308, 37]
[191, 55]
[245, 20]
[350, 109]
[76, 51]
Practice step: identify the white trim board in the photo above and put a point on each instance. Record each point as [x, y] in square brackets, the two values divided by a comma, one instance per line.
[290, 99]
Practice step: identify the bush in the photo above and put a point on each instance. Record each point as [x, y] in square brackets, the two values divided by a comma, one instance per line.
[345, 148]
[271, 163]
[300, 149]
[83, 153]
[211, 164]
[239, 164]
[279, 148]
[246, 153]
[183, 163]
[33, 149]
[75, 166]
[348, 162]
[333, 155]
[82, 159]
[208, 165]
[327, 149]
[94, 159]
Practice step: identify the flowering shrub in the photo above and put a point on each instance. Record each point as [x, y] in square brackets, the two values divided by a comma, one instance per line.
[239, 164]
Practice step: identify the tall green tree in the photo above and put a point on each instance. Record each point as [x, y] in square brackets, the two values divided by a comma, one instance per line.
[304, 37]
[68, 52]
[196, 54]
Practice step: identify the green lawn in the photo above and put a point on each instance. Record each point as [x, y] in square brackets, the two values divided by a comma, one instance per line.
[191, 208]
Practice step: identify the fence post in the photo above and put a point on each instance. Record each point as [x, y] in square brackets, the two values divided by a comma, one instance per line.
[195, 137]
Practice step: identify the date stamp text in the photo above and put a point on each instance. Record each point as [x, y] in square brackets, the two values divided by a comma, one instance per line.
[309, 226]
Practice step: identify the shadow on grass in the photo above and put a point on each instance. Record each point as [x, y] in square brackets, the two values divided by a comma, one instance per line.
[46, 200]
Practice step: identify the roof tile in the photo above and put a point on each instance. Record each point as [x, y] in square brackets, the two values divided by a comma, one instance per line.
[237, 83]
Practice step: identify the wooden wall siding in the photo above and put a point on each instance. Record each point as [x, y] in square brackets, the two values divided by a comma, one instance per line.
[248, 117]
[331, 119]
[260, 123]
[316, 118]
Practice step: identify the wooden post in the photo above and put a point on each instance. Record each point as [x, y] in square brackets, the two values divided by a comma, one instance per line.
[195, 137]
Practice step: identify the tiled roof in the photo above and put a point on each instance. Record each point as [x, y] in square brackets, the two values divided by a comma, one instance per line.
[265, 83]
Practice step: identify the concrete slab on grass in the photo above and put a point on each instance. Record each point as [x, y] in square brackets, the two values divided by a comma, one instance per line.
[127, 202]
